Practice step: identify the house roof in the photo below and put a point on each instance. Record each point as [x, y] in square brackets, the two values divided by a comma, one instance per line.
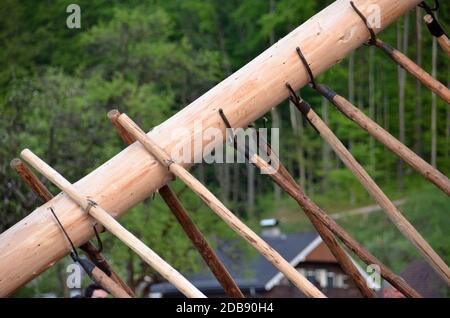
[250, 271]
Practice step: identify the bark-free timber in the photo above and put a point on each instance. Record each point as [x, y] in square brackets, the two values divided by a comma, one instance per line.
[284, 180]
[100, 277]
[376, 131]
[415, 70]
[33, 245]
[91, 251]
[369, 184]
[237, 225]
[198, 240]
[100, 215]
[313, 211]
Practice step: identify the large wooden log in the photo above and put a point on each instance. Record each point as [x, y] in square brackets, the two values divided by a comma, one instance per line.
[35, 243]
[114, 227]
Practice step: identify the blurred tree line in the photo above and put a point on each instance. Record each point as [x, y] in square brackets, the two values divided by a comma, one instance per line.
[151, 59]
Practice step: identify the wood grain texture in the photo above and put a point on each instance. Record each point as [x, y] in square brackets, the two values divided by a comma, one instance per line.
[385, 203]
[32, 245]
[103, 217]
[384, 137]
[312, 210]
[285, 181]
[415, 70]
[217, 206]
[45, 195]
[108, 284]
[211, 259]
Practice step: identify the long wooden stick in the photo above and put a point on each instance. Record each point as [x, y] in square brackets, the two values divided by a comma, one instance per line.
[237, 225]
[44, 194]
[129, 177]
[393, 144]
[415, 70]
[113, 226]
[100, 277]
[193, 233]
[436, 30]
[369, 184]
[285, 180]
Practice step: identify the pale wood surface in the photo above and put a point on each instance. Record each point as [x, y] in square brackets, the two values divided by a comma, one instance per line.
[106, 282]
[393, 144]
[34, 244]
[313, 210]
[193, 233]
[45, 195]
[419, 73]
[391, 210]
[284, 179]
[217, 206]
[100, 215]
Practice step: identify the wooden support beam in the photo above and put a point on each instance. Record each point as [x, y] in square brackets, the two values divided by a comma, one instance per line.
[94, 210]
[369, 184]
[436, 31]
[393, 144]
[403, 61]
[44, 194]
[193, 233]
[130, 177]
[415, 70]
[288, 184]
[237, 225]
[100, 277]
[285, 181]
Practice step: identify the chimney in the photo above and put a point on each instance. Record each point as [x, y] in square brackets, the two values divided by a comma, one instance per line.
[270, 227]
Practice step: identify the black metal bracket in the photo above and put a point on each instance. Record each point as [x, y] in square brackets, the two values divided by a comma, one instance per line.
[373, 37]
[307, 67]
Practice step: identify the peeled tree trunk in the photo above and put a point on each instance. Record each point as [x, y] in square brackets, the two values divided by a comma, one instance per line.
[36, 243]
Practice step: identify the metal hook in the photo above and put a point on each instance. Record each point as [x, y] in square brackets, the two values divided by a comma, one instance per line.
[99, 240]
[428, 9]
[227, 125]
[307, 67]
[73, 253]
[373, 37]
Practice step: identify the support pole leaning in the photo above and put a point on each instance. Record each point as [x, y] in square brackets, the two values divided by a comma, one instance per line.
[113, 226]
[198, 240]
[237, 225]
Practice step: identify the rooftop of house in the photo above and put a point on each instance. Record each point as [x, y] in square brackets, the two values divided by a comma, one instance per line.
[251, 271]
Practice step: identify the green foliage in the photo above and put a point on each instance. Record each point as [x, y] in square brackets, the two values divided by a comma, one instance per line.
[152, 58]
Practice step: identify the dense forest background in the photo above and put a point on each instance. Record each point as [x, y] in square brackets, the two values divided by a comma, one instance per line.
[152, 58]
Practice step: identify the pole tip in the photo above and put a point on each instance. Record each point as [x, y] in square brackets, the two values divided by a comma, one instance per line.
[25, 153]
[16, 162]
[113, 114]
[428, 19]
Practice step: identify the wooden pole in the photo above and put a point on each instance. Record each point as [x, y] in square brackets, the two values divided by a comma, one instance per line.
[193, 233]
[375, 130]
[237, 225]
[436, 31]
[415, 70]
[130, 177]
[282, 177]
[113, 226]
[369, 184]
[45, 195]
[98, 276]
[288, 184]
